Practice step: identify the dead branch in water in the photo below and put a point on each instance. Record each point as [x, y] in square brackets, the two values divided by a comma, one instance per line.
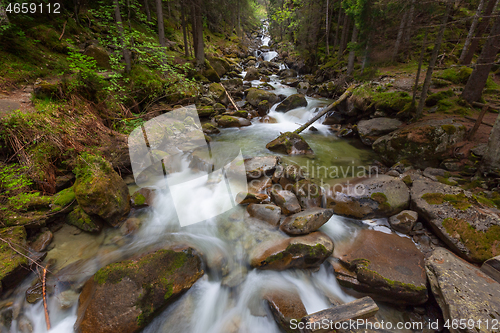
[232, 101]
[44, 295]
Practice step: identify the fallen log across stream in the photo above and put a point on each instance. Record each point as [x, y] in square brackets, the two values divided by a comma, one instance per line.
[320, 114]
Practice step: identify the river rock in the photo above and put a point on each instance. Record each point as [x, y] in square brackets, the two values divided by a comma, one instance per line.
[375, 197]
[210, 73]
[218, 93]
[255, 96]
[306, 222]
[404, 221]
[15, 267]
[257, 167]
[285, 306]
[290, 81]
[286, 200]
[291, 144]
[100, 191]
[492, 268]
[387, 267]
[463, 292]
[292, 102]
[308, 192]
[244, 198]
[42, 241]
[265, 212]
[252, 74]
[230, 121]
[303, 252]
[220, 65]
[100, 55]
[303, 87]
[371, 130]
[125, 296]
[83, 221]
[469, 225]
[233, 85]
[210, 129]
[287, 73]
[143, 197]
[260, 184]
[423, 144]
[130, 226]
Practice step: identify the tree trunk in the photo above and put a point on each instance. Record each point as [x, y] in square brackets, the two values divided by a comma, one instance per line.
[161, 25]
[184, 33]
[76, 9]
[491, 159]
[477, 80]
[473, 26]
[343, 39]
[352, 51]
[409, 25]
[432, 63]
[199, 52]
[336, 42]
[146, 10]
[4, 19]
[400, 35]
[327, 28]
[417, 78]
[121, 34]
[481, 28]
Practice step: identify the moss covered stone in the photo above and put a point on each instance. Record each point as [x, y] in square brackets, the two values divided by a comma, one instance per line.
[83, 221]
[14, 266]
[483, 245]
[138, 289]
[99, 190]
[291, 144]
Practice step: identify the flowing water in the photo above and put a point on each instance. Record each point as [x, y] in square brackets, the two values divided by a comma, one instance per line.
[210, 305]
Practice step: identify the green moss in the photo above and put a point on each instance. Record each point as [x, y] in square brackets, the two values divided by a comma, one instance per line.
[456, 75]
[8, 257]
[391, 101]
[82, 220]
[138, 199]
[65, 197]
[449, 129]
[458, 201]
[433, 99]
[379, 197]
[445, 180]
[407, 180]
[482, 245]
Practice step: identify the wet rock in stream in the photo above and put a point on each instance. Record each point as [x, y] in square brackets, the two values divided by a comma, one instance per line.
[124, 296]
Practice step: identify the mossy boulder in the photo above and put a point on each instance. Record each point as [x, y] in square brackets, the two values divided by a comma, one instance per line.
[467, 223]
[463, 291]
[292, 102]
[422, 144]
[206, 111]
[125, 296]
[386, 267]
[210, 74]
[290, 143]
[63, 199]
[230, 121]
[100, 55]
[252, 74]
[14, 266]
[44, 89]
[100, 191]
[83, 221]
[328, 89]
[218, 93]
[210, 129]
[301, 252]
[374, 197]
[220, 65]
[255, 96]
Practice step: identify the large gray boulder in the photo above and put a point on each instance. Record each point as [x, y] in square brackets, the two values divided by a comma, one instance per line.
[255, 96]
[463, 292]
[381, 196]
[371, 130]
[468, 224]
[422, 144]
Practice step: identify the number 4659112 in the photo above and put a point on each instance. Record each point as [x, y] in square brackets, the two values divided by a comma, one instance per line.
[33, 8]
